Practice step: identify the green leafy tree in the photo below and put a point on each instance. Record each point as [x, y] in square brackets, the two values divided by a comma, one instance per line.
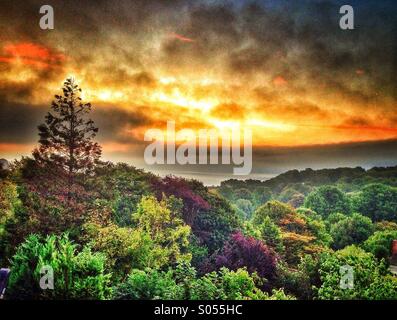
[351, 230]
[77, 275]
[215, 226]
[243, 193]
[245, 207]
[10, 206]
[377, 201]
[182, 283]
[232, 285]
[226, 191]
[274, 209]
[261, 195]
[8, 202]
[297, 238]
[251, 230]
[161, 221]
[326, 200]
[199, 252]
[287, 194]
[383, 288]
[302, 280]
[125, 248]
[371, 279]
[271, 234]
[316, 226]
[379, 244]
[122, 186]
[334, 218]
[297, 200]
[148, 284]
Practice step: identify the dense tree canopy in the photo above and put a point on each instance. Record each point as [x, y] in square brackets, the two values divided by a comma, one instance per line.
[377, 201]
[351, 230]
[76, 275]
[371, 279]
[248, 252]
[379, 244]
[326, 200]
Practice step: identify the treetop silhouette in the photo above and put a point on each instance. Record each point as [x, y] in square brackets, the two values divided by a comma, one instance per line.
[66, 136]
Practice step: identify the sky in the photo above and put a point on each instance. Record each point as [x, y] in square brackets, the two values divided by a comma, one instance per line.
[313, 95]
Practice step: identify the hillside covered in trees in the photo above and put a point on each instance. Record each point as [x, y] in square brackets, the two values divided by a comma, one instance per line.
[111, 231]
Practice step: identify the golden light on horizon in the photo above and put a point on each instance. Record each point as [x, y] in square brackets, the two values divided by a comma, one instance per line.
[177, 98]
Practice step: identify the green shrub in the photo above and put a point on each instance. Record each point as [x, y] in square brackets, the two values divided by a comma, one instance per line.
[77, 275]
[370, 277]
[379, 244]
[148, 284]
[326, 200]
[351, 230]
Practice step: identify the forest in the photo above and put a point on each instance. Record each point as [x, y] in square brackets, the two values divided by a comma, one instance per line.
[112, 231]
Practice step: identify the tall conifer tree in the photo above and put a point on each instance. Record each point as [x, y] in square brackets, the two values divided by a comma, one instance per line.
[66, 136]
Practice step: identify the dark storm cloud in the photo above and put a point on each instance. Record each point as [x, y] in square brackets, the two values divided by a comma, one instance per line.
[12, 91]
[113, 123]
[18, 122]
[333, 54]
[297, 38]
[88, 18]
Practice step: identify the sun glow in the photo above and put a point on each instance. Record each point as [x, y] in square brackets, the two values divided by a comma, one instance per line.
[109, 95]
[271, 125]
[179, 99]
[103, 95]
[224, 124]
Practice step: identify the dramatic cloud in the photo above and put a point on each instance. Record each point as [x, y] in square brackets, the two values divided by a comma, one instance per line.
[18, 122]
[31, 54]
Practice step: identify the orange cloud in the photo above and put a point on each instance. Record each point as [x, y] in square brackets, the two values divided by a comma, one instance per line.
[31, 54]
